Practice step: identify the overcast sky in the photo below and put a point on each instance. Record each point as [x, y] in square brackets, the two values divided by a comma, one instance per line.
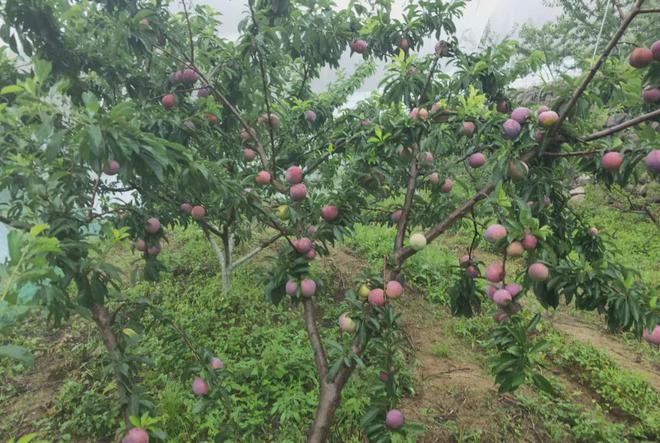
[503, 16]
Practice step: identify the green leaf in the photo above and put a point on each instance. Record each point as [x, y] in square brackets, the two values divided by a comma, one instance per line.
[11, 89]
[17, 353]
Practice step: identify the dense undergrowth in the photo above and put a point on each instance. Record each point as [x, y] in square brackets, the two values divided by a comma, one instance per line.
[270, 391]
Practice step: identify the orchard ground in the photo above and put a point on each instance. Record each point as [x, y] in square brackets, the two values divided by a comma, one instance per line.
[608, 386]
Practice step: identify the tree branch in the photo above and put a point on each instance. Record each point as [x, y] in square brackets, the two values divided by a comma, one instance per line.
[596, 66]
[407, 204]
[649, 11]
[264, 83]
[402, 254]
[190, 34]
[618, 8]
[620, 127]
[315, 339]
[256, 250]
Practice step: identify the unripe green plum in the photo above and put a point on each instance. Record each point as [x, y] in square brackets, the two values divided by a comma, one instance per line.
[418, 241]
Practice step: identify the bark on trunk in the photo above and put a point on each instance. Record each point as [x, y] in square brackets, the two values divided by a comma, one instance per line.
[325, 413]
[227, 247]
[103, 322]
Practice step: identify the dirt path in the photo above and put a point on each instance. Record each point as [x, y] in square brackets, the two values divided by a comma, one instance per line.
[36, 389]
[598, 337]
[455, 397]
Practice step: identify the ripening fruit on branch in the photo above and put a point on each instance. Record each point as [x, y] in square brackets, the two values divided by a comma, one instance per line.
[363, 292]
[495, 272]
[518, 170]
[294, 174]
[263, 178]
[384, 376]
[418, 241]
[515, 249]
[477, 160]
[521, 114]
[423, 114]
[500, 317]
[464, 261]
[538, 272]
[311, 254]
[249, 154]
[640, 58]
[612, 161]
[490, 290]
[199, 386]
[413, 113]
[204, 92]
[186, 207]
[472, 271]
[442, 48]
[655, 50]
[469, 128]
[513, 288]
[359, 46]
[271, 120]
[152, 226]
[302, 245]
[652, 161]
[154, 250]
[329, 213]
[529, 242]
[136, 435]
[310, 116]
[393, 289]
[346, 323]
[198, 212]
[168, 101]
[308, 287]
[298, 192]
[291, 287]
[311, 230]
[216, 363]
[446, 186]
[434, 178]
[511, 129]
[175, 77]
[404, 44]
[541, 110]
[653, 337]
[651, 94]
[140, 245]
[502, 107]
[502, 297]
[111, 168]
[548, 118]
[376, 297]
[394, 419]
[283, 212]
[495, 233]
[247, 136]
[212, 119]
[396, 216]
[189, 76]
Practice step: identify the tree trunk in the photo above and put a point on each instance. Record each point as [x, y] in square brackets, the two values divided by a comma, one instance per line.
[325, 413]
[227, 247]
[224, 258]
[103, 322]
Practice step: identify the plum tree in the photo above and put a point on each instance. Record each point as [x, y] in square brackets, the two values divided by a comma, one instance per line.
[369, 159]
